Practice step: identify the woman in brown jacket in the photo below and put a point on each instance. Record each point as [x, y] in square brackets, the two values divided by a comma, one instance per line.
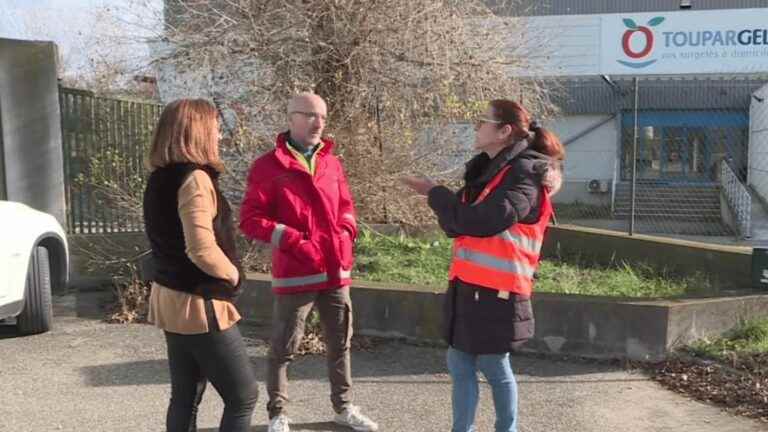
[508, 183]
[196, 269]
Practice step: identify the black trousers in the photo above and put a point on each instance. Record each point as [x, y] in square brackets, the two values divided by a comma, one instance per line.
[219, 357]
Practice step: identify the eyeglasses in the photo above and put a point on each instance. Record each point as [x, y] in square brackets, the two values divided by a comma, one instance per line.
[480, 120]
[311, 116]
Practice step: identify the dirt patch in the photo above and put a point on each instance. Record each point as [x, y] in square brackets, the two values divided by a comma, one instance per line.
[739, 385]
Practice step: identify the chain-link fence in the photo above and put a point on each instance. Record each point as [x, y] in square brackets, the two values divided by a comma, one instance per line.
[666, 156]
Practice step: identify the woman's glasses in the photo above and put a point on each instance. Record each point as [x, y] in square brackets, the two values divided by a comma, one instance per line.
[480, 120]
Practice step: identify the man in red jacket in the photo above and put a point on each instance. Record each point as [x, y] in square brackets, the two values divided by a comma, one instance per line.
[298, 200]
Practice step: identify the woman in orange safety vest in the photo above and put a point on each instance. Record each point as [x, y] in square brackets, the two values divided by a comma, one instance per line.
[497, 220]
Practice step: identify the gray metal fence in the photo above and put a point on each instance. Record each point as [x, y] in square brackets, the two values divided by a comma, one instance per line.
[105, 141]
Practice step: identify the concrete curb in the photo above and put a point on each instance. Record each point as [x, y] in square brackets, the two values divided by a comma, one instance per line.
[586, 326]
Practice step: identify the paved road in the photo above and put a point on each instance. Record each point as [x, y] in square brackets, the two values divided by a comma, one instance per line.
[90, 376]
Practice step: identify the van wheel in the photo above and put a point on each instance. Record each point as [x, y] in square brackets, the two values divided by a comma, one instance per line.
[37, 315]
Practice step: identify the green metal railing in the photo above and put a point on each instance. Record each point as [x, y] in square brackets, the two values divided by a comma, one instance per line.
[105, 141]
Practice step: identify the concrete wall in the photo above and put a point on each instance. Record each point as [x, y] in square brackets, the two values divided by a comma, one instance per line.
[575, 325]
[757, 176]
[691, 320]
[729, 267]
[30, 126]
[641, 330]
[389, 310]
[591, 157]
[566, 324]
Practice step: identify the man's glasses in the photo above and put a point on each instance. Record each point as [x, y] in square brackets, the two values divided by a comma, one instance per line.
[311, 116]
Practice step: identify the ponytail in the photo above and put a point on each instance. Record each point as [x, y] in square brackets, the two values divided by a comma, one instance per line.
[546, 142]
[540, 139]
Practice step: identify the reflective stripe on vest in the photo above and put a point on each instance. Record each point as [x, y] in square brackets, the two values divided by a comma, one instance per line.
[520, 241]
[307, 280]
[498, 264]
[506, 261]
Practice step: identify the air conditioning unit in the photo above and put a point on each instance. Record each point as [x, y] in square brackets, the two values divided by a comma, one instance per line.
[597, 186]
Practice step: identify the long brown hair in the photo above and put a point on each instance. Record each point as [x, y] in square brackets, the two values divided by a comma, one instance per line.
[541, 140]
[186, 133]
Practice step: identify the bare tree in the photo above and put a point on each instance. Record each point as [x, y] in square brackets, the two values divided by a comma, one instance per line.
[395, 73]
[402, 79]
[114, 46]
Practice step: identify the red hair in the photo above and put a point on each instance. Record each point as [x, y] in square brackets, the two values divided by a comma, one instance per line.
[541, 140]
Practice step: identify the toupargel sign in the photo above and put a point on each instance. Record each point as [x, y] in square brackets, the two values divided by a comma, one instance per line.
[720, 41]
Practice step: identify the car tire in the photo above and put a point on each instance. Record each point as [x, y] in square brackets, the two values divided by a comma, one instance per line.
[37, 315]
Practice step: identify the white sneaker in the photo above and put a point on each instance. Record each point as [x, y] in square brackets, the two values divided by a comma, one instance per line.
[351, 417]
[279, 424]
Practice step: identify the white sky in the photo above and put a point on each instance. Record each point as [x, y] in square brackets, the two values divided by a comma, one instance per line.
[85, 29]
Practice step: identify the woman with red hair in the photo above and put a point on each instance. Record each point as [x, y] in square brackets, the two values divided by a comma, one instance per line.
[497, 220]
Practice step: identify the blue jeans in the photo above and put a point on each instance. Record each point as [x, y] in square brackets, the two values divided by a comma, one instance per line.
[463, 368]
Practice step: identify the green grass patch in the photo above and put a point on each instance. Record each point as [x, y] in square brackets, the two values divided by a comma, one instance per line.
[618, 280]
[425, 261]
[410, 260]
[751, 337]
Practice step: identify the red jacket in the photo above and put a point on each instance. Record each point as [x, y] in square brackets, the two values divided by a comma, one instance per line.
[308, 219]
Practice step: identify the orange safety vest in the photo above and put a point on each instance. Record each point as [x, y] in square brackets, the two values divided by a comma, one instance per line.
[507, 260]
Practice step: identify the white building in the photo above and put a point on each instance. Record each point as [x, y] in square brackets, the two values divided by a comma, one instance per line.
[698, 68]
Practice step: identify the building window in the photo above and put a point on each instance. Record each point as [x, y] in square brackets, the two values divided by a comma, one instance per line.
[685, 146]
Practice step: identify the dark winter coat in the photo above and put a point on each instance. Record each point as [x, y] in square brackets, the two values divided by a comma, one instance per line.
[476, 320]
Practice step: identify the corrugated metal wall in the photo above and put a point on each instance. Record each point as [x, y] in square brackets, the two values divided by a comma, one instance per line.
[594, 96]
[579, 7]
